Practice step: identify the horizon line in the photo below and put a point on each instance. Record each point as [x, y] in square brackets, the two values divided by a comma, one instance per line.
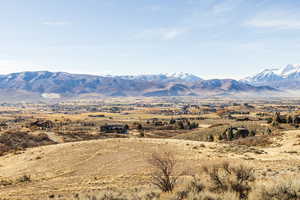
[204, 77]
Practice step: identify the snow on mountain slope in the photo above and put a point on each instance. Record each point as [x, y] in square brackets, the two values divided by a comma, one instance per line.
[184, 76]
[180, 76]
[289, 72]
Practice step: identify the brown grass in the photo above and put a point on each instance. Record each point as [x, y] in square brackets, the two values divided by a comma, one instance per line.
[13, 141]
[259, 141]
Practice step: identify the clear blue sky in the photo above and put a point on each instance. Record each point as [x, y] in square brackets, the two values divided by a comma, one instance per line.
[210, 38]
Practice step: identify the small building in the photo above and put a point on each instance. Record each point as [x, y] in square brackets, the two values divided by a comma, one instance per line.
[235, 133]
[240, 132]
[241, 119]
[96, 116]
[43, 124]
[114, 128]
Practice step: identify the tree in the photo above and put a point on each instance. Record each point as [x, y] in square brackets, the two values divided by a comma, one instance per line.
[276, 120]
[289, 119]
[210, 138]
[229, 134]
[172, 121]
[180, 125]
[194, 125]
[220, 137]
[268, 131]
[139, 127]
[126, 127]
[142, 133]
[252, 133]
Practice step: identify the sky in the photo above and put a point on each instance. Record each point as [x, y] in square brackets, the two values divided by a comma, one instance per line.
[208, 38]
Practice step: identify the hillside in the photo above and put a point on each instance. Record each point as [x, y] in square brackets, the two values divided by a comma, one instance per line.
[66, 169]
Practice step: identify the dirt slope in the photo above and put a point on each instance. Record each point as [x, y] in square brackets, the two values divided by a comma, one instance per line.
[65, 169]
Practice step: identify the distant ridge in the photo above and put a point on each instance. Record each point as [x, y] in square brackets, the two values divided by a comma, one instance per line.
[62, 84]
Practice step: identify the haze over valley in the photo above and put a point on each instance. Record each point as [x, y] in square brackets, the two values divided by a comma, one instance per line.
[149, 100]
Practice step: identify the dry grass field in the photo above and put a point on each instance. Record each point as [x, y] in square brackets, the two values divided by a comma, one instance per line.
[63, 152]
[66, 169]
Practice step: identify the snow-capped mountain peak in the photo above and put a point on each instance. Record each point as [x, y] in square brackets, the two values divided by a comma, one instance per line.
[184, 76]
[179, 76]
[285, 70]
[289, 72]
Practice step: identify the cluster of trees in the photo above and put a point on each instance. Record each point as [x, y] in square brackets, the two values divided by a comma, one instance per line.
[233, 133]
[184, 124]
[288, 119]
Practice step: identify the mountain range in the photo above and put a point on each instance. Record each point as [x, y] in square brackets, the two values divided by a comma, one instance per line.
[60, 84]
[284, 78]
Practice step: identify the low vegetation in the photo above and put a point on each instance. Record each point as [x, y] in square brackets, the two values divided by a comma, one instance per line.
[215, 181]
[14, 141]
[164, 174]
[215, 139]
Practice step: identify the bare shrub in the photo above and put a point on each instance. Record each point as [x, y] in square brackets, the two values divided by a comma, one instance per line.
[226, 178]
[193, 188]
[5, 182]
[254, 141]
[213, 196]
[282, 190]
[13, 141]
[196, 186]
[164, 175]
[276, 120]
[113, 194]
[198, 190]
[205, 195]
[24, 179]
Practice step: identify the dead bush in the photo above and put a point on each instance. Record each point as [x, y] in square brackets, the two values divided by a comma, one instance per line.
[193, 188]
[164, 175]
[5, 182]
[24, 179]
[12, 141]
[213, 196]
[224, 178]
[204, 195]
[113, 194]
[282, 190]
[198, 189]
[253, 141]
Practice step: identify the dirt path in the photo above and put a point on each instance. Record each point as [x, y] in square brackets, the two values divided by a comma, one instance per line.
[286, 147]
[54, 137]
